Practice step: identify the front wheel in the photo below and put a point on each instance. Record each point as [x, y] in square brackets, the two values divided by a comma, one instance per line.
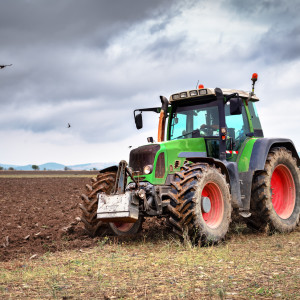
[103, 183]
[124, 229]
[200, 203]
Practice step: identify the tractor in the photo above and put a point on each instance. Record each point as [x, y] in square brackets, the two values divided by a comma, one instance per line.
[210, 161]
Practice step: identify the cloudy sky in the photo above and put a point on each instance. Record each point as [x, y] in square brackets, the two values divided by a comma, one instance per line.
[91, 63]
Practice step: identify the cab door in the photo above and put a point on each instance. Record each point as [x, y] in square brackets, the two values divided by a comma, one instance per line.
[237, 130]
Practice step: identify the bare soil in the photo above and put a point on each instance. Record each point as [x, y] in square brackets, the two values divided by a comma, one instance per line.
[34, 213]
[47, 173]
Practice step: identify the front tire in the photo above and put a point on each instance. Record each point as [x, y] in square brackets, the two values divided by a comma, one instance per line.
[200, 204]
[275, 199]
[125, 229]
[104, 183]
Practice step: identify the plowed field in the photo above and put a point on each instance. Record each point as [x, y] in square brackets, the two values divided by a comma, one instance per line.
[35, 207]
[33, 212]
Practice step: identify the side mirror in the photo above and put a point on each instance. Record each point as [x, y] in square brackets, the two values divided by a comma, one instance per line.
[150, 139]
[138, 121]
[235, 106]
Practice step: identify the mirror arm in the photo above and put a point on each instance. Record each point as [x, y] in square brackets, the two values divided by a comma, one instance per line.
[162, 119]
[228, 97]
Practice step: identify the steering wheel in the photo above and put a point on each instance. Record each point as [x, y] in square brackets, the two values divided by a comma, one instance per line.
[206, 129]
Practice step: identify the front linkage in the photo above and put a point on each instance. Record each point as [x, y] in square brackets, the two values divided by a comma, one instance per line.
[128, 203]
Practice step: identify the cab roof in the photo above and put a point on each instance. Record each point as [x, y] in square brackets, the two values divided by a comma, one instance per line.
[207, 92]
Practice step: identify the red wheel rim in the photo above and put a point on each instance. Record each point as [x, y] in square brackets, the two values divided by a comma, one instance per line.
[283, 191]
[214, 216]
[124, 227]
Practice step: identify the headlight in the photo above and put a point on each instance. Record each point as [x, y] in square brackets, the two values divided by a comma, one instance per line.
[194, 93]
[176, 97]
[148, 169]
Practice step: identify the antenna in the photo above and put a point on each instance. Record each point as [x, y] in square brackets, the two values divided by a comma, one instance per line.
[197, 84]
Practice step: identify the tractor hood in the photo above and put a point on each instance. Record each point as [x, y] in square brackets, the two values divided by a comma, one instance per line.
[143, 156]
[165, 158]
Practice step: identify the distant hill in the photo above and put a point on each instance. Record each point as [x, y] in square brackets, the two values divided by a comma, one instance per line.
[91, 166]
[52, 166]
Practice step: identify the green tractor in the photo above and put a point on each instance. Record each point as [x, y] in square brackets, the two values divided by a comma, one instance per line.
[211, 162]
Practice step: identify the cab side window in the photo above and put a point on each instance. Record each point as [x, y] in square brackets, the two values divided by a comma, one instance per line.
[237, 126]
[255, 120]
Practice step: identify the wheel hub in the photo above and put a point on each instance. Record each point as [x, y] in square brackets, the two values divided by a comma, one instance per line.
[124, 227]
[212, 205]
[206, 204]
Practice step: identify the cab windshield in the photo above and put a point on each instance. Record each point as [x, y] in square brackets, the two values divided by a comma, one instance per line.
[194, 121]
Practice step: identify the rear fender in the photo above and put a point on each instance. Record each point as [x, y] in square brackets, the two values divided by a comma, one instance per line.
[260, 151]
[262, 147]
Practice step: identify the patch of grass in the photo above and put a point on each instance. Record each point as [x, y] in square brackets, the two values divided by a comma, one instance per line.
[248, 266]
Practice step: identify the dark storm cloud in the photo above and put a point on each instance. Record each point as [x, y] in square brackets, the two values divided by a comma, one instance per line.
[68, 21]
[59, 55]
[167, 47]
[65, 69]
[264, 11]
[281, 41]
[280, 45]
[159, 26]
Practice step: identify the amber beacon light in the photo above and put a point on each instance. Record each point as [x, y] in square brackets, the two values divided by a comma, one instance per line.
[254, 79]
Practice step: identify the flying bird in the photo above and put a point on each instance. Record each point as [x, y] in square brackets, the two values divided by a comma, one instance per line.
[69, 125]
[3, 66]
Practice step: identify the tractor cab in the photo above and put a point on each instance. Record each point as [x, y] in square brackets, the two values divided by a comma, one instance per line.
[199, 114]
[223, 118]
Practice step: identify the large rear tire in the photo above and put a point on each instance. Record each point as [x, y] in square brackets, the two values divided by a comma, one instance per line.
[275, 199]
[200, 205]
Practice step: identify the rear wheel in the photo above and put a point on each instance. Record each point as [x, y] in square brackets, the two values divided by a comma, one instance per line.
[200, 204]
[275, 199]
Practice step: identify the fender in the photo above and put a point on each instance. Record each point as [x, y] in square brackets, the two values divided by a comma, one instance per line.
[259, 154]
[109, 169]
[262, 147]
[230, 170]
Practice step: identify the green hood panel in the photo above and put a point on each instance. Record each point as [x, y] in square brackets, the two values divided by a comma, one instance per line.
[178, 149]
[172, 150]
